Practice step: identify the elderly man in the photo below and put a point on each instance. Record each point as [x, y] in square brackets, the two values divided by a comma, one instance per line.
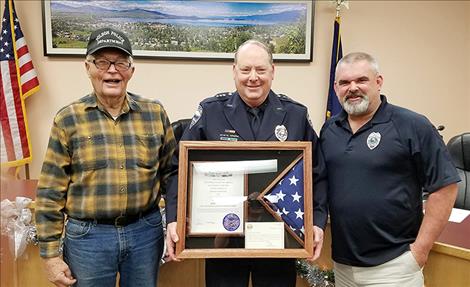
[252, 113]
[106, 166]
[380, 158]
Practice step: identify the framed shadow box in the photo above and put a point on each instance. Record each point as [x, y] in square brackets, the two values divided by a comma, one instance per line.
[245, 199]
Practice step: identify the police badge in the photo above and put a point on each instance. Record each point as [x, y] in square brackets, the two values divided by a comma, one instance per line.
[373, 140]
[281, 133]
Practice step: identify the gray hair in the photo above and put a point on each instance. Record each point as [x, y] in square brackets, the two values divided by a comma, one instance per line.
[357, 57]
[256, 43]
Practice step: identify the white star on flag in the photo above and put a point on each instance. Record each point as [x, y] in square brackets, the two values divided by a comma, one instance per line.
[293, 180]
[280, 195]
[296, 197]
[299, 214]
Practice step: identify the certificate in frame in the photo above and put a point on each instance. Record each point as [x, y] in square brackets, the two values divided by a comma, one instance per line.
[260, 168]
[227, 208]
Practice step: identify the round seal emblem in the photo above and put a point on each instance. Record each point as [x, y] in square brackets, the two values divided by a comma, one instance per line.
[231, 222]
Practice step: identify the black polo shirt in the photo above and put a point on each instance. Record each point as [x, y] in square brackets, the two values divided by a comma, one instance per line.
[376, 178]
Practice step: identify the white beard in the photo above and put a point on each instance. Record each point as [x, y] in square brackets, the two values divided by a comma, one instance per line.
[357, 109]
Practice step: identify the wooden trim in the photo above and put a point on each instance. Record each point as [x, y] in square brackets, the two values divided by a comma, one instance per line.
[451, 250]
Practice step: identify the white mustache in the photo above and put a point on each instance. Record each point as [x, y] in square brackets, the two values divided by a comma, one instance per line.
[354, 95]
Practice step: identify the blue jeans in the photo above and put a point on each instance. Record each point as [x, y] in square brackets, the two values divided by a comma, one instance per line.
[95, 253]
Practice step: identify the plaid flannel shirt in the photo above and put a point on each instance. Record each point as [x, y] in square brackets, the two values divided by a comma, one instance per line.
[100, 168]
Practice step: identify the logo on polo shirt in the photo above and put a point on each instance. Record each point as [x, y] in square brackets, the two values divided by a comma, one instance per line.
[373, 140]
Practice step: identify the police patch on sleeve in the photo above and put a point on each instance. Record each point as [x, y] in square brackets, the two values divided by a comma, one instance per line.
[309, 121]
[196, 117]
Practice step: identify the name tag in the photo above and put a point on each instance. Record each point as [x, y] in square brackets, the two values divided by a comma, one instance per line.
[229, 135]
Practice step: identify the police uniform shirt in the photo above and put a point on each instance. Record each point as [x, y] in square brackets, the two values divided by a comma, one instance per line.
[376, 177]
[224, 117]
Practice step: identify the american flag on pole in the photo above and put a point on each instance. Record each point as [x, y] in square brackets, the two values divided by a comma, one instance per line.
[286, 200]
[18, 81]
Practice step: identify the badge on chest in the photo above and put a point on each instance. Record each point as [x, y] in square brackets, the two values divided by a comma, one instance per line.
[373, 140]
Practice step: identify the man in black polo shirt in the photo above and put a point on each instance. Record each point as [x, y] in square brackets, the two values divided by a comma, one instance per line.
[380, 158]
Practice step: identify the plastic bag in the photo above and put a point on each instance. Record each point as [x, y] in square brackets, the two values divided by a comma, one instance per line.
[16, 223]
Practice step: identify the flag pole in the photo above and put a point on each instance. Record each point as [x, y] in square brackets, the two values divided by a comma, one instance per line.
[333, 106]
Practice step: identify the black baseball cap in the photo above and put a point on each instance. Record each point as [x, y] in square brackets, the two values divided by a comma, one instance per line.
[108, 38]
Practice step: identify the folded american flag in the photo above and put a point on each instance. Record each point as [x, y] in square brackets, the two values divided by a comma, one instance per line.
[286, 199]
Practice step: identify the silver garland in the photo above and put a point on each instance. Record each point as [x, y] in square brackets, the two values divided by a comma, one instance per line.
[314, 276]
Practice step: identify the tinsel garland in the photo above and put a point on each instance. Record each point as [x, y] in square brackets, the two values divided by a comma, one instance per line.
[315, 276]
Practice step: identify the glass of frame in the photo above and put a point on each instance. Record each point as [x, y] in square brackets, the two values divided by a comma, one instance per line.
[245, 199]
[201, 30]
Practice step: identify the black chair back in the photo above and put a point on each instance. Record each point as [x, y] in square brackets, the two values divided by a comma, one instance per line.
[179, 127]
[459, 149]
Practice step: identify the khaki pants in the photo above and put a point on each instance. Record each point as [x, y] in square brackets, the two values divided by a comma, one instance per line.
[402, 271]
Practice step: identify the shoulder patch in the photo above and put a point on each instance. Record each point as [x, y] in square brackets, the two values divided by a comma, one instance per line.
[310, 121]
[197, 115]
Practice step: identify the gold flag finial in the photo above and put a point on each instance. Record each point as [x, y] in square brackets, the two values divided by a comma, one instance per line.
[339, 4]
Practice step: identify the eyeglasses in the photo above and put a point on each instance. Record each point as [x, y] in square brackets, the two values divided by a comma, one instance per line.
[103, 64]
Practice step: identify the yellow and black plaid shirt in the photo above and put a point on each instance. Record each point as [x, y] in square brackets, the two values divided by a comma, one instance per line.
[100, 168]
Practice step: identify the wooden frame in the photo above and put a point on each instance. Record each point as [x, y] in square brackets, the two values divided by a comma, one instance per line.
[286, 154]
[201, 30]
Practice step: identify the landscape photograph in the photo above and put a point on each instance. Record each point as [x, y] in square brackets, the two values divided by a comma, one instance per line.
[195, 29]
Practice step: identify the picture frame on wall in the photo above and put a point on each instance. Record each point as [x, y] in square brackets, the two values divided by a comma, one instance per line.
[245, 200]
[196, 30]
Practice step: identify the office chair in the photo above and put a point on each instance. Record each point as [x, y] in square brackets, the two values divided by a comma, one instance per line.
[459, 149]
[178, 128]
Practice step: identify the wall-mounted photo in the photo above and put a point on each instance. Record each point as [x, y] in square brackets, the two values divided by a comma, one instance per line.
[207, 30]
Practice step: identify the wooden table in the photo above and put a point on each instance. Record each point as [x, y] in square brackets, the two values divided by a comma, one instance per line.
[449, 261]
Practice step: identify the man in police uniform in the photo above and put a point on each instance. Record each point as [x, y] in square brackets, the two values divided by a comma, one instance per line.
[380, 158]
[253, 112]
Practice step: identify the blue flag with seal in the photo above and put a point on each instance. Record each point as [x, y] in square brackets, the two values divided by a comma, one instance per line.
[333, 106]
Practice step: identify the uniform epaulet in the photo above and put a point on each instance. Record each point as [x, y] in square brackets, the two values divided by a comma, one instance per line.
[283, 97]
[219, 97]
